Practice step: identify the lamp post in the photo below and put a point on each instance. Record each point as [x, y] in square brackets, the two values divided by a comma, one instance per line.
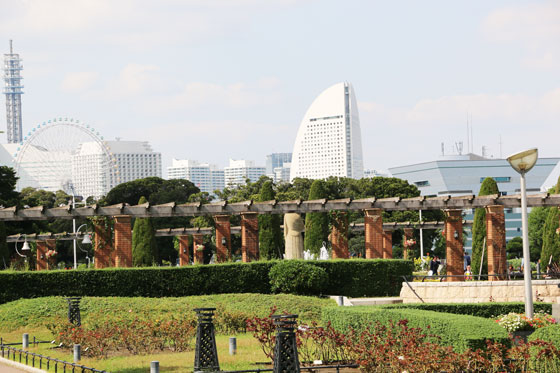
[523, 162]
[25, 247]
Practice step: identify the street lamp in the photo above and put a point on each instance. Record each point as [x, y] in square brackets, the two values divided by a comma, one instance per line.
[85, 241]
[523, 162]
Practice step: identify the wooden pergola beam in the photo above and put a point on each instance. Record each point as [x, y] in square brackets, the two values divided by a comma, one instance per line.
[275, 207]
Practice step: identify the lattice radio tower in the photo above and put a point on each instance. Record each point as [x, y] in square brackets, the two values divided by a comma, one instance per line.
[13, 89]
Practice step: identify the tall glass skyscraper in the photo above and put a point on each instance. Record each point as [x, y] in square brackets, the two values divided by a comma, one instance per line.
[13, 89]
[329, 141]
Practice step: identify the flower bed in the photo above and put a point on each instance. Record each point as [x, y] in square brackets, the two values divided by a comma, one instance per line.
[514, 322]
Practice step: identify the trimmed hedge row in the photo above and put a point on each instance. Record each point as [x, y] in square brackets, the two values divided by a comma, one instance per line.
[459, 331]
[487, 310]
[353, 278]
[549, 333]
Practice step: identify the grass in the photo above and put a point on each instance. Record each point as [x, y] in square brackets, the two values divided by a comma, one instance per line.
[39, 311]
[248, 352]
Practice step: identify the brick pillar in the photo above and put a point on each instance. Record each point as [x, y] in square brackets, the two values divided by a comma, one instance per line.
[454, 246]
[387, 244]
[339, 236]
[123, 241]
[223, 230]
[184, 250]
[42, 248]
[408, 235]
[103, 247]
[249, 236]
[373, 225]
[198, 254]
[496, 242]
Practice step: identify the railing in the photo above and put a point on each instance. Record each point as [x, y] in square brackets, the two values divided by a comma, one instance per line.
[310, 369]
[44, 362]
[505, 276]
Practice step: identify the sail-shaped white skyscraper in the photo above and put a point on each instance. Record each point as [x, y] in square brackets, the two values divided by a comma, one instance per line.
[329, 142]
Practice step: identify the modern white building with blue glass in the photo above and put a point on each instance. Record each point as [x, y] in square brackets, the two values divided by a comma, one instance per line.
[457, 175]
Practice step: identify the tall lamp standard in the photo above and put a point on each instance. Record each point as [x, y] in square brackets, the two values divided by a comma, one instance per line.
[523, 162]
[85, 241]
[25, 247]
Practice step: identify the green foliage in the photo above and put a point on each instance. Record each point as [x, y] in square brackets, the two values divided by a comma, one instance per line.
[270, 236]
[4, 252]
[316, 223]
[8, 194]
[537, 219]
[297, 277]
[37, 312]
[551, 239]
[155, 189]
[549, 333]
[354, 278]
[514, 248]
[144, 248]
[486, 310]
[460, 331]
[488, 187]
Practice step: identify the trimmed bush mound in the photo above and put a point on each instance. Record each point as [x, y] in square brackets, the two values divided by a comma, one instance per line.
[549, 333]
[460, 331]
[36, 312]
[487, 310]
[297, 277]
[354, 278]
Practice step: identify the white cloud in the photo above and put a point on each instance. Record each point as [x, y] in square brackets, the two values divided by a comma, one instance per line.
[77, 82]
[534, 27]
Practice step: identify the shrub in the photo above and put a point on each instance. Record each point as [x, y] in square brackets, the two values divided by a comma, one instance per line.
[459, 331]
[354, 278]
[549, 333]
[297, 277]
[316, 223]
[487, 310]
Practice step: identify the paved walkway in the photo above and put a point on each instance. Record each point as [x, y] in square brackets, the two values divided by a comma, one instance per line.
[7, 366]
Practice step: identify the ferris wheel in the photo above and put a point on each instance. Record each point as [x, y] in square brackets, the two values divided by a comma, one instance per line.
[65, 154]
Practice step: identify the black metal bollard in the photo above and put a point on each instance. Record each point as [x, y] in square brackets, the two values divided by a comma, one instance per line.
[285, 352]
[206, 354]
[74, 316]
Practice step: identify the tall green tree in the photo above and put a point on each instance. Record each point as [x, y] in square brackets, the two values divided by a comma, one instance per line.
[316, 223]
[537, 219]
[551, 238]
[270, 236]
[8, 198]
[144, 248]
[488, 187]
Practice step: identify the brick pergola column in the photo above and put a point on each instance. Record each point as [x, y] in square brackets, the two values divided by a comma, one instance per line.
[373, 226]
[42, 248]
[408, 235]
[339, 236]
[184, 250]
[454, 246]
[103, 248]
[496, 242]
[198, 254]
[387, 244]
[223, 230]
[123, 241]
[249, 236]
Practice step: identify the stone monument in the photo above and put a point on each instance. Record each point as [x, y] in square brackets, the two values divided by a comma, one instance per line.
[293, 227]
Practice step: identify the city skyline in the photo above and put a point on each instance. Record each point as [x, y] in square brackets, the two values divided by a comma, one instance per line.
[213, 80]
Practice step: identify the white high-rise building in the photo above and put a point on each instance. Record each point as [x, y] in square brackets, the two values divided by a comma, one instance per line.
[240, 170]
[206, 177]
[132, 160]
[328, 141]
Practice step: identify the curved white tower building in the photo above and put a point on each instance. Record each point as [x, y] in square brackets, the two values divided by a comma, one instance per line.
[329, 142]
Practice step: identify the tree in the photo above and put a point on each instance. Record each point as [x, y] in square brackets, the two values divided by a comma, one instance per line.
[488, 187]
[155, 189]
[514, 248]
[270, 236]
[144, 249]
[551, 238]
[8, 194]
[537, 219]
[4, 252]
[316, 223]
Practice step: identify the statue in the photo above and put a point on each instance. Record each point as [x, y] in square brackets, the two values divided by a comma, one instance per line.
[293, 227]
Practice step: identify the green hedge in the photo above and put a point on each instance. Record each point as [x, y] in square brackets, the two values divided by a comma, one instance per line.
[487, 310]
[549, 333]
[459, 331]
[375, 277]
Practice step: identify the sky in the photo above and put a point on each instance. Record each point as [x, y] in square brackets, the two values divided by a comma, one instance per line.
[210, 80]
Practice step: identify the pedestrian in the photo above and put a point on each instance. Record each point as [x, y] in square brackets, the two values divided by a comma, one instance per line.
[466, 261]
[434, 265]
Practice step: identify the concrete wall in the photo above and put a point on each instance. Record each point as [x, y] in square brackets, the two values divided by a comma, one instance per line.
[479, 291]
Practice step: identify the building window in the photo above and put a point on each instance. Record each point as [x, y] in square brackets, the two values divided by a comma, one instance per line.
[498, 179]
[422, 183]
